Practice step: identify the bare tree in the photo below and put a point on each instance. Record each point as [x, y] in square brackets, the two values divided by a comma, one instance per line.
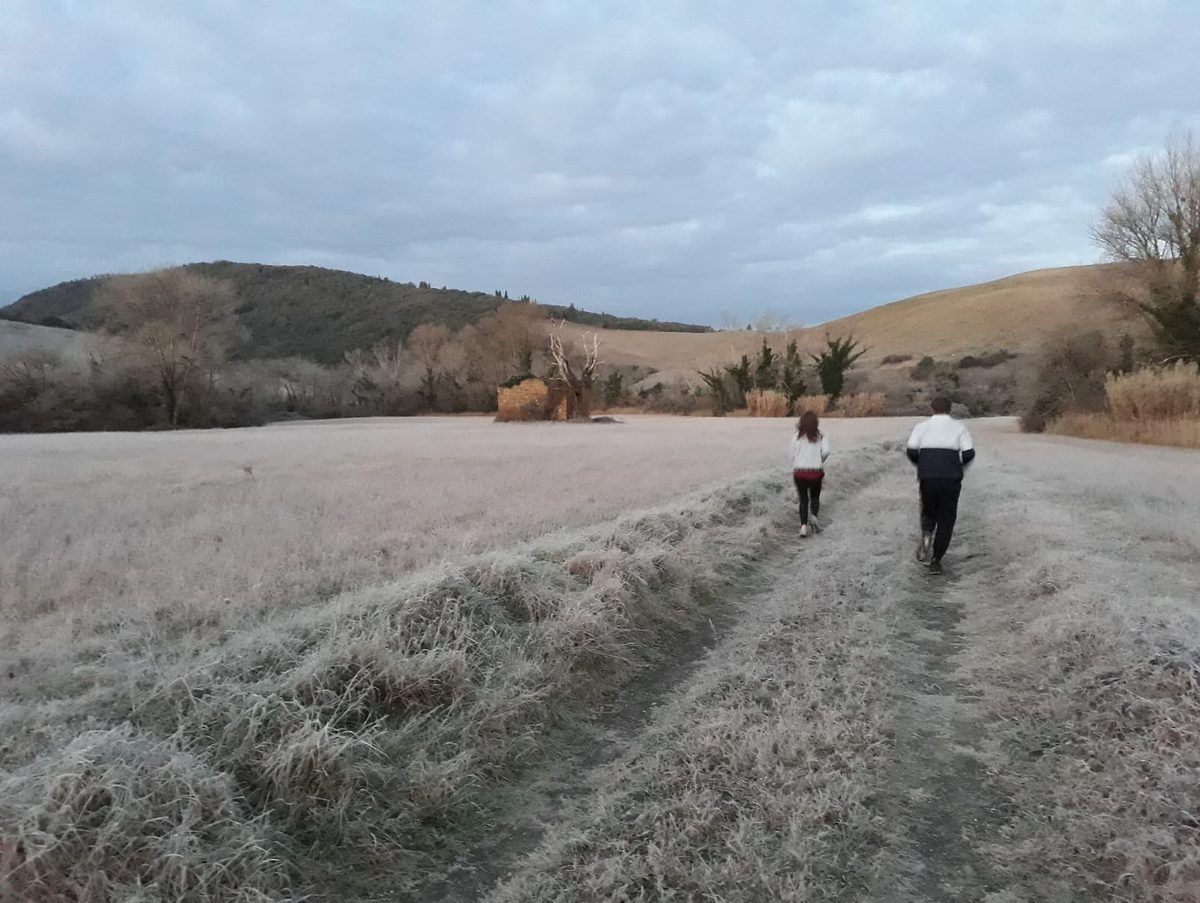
[1152, 224]
[730, 322]
[476, 360]
[516, 331]
[578, 381]
[429, 344]
[32, 370]
[771, 321]
[179, 325]
[377, 375]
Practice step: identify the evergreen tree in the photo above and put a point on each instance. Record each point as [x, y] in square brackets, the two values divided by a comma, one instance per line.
[791, 382]
[766, 370]
[832, 364]
[614, 388]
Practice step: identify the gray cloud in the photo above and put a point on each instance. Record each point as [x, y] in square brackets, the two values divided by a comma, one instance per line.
[674, 160]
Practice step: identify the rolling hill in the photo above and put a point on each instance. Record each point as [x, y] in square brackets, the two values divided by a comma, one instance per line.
[313, 312]
[320, 313]
[1016, 313]
[68, 345]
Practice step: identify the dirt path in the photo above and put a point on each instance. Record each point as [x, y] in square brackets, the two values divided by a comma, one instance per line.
[774, 620]
[945, 807]
[583, 757]
[936, 809]
[835, 733]
[523, 813]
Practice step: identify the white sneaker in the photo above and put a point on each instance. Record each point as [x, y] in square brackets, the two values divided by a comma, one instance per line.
[804, 529]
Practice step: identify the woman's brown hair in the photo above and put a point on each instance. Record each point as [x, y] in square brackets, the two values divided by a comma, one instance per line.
[808, 427]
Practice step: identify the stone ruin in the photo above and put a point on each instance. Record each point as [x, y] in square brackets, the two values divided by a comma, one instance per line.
[534, 399]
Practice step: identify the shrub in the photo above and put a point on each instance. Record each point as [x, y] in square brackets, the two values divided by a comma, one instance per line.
[673, 403]
[818, 404]
[120, 816]
[992, 359]
[924, 369]
[987, 396]
[1182, 432]
[1039, 414]
[864, 404]
[1156, 393]
[896, 359]
[1069, 377]
[766, 403]
[516, 380]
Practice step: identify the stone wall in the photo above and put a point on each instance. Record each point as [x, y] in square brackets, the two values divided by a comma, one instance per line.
[533, 399]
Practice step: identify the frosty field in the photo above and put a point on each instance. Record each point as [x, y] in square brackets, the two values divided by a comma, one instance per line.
[289, 514]
[449, 659]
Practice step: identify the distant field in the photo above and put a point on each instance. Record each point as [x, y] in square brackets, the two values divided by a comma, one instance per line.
[283, 514]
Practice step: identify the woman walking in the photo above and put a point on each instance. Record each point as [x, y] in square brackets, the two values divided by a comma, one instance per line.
[810, 448]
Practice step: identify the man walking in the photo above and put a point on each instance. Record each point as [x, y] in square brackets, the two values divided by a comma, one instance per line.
[941, 448]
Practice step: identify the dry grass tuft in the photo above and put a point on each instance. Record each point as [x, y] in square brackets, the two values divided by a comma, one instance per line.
[376, 722]
[1156, 393]
[766, 403]
[818, 404]
[1182, 433]
[864, 404]
[1157, 406]
[119, 816]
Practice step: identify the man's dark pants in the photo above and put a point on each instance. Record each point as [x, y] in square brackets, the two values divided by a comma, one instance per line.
[939, 511]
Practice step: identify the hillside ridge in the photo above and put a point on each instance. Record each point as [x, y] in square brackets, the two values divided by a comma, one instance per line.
[331, 311]
[315, 312]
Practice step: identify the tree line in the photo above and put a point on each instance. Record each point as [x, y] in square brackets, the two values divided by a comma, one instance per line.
[166, 363]
[783, 373]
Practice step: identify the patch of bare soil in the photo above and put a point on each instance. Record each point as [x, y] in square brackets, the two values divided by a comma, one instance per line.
[944, 808]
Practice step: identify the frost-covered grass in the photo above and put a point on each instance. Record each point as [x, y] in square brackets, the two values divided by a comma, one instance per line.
[197, 754]
[1090, 658]
[162, 748]
[759, 781]
[152, 525]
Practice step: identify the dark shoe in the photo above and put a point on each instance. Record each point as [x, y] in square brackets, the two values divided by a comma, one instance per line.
[935, 566]
[925, 549]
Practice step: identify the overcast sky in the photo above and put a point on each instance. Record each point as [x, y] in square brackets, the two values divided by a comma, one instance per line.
[679, 160]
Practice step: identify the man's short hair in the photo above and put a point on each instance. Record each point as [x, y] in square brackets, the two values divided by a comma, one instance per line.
[940, 405]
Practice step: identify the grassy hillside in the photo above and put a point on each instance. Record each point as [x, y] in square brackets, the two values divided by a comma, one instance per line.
[67, 344]
[1015, 313]
[310, 311]
[320, 313]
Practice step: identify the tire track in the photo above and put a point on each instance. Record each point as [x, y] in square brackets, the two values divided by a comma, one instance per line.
[782, 623]
[524, 813]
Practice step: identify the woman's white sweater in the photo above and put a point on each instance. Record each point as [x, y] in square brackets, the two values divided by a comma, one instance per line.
[809, 455]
